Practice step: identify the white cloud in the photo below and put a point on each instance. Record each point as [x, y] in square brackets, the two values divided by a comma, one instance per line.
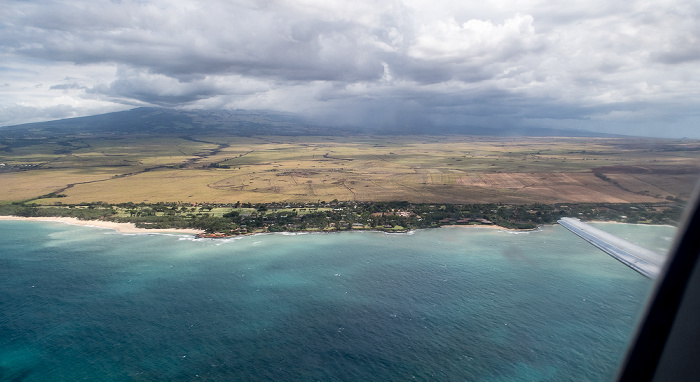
[475, 40]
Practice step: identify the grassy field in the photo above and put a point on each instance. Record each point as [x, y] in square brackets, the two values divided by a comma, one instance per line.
[429, 169]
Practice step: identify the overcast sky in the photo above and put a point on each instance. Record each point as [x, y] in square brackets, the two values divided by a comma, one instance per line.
[618, 66]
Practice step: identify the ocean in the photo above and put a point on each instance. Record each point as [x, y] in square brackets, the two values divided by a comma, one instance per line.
[448, 304]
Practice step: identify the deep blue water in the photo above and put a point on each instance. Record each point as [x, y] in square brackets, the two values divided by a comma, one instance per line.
[82, 303]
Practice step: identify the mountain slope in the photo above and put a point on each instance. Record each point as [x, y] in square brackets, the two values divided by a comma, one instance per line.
[161, 121]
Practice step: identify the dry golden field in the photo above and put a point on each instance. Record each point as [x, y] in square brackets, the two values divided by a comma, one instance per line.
[412, 168]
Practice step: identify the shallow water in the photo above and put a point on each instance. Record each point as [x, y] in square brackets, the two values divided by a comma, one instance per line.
[443, 304]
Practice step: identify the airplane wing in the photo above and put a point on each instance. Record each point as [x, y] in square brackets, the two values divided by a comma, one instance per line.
[642, 260]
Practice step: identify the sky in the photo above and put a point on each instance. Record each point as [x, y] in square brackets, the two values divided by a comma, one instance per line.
[629, 67]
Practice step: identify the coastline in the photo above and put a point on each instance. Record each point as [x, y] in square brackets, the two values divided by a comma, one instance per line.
[130, 228]
[119, 227]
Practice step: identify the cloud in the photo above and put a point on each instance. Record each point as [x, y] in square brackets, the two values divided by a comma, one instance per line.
[67, 86]
[372, 62]
[475, 40]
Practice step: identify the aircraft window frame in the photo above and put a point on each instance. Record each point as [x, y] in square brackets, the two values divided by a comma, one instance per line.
[667, 339]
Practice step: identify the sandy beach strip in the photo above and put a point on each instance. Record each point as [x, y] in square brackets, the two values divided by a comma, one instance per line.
[119, 227]
[489, 226]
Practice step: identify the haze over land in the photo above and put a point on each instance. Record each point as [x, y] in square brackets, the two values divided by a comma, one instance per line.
[627, 68]
[313, 100]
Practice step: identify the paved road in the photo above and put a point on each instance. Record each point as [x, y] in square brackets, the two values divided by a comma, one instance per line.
[642, 260]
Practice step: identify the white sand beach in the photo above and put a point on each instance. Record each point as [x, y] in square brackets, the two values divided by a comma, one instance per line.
[119, 227]
[491, 226]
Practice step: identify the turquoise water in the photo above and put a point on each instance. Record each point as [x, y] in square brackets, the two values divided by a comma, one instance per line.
[82, 303]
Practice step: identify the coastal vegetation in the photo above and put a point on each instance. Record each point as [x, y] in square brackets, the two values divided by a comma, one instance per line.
[246, 218]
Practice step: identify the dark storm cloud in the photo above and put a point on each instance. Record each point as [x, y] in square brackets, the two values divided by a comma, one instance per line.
[401, 62]
[155, 89]
[217, 38]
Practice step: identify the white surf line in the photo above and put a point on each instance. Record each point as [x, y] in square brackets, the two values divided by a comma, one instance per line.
[642, 260]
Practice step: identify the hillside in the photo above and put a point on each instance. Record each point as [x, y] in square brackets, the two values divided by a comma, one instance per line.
[161, 121]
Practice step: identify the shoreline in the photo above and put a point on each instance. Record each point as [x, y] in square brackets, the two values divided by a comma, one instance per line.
[130, 228]
[119, 227]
